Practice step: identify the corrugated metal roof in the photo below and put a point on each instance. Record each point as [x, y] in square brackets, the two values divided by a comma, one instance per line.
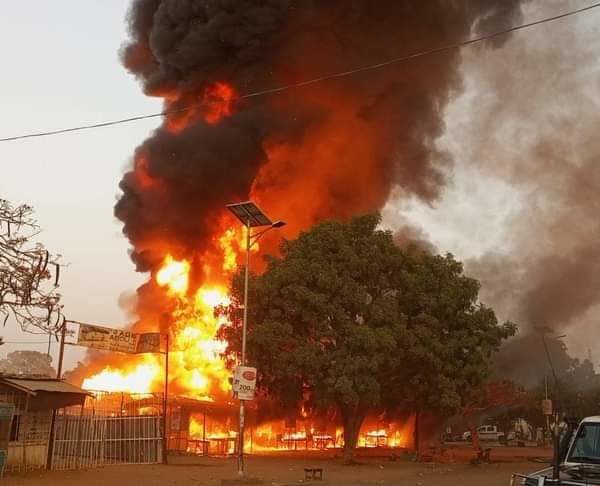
[48, 385]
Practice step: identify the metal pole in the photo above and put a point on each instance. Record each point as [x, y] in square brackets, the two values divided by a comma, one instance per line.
[246, 276]
[166, 402]
[558, 407]
[556, 461]
[243, 361]
[547, 416]
[51, 437]
[61, 352]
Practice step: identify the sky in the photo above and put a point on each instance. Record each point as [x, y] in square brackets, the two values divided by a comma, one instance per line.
[61, 68]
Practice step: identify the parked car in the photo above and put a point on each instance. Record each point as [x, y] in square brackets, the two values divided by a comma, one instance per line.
[487, 432]
[579, 458]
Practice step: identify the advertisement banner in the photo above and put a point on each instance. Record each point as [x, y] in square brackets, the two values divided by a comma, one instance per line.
[148, 342]
[106, 338]
[244, 383]
[118, 340]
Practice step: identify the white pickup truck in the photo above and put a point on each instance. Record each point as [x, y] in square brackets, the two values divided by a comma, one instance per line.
[579, 457]
[486, 432]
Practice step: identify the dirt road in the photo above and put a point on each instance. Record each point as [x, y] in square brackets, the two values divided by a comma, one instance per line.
[278, 470]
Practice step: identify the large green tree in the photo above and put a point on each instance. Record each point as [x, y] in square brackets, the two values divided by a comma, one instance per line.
[346, 319]
[27, 363]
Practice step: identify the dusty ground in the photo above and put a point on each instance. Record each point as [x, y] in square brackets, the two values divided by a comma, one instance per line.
[284, 469]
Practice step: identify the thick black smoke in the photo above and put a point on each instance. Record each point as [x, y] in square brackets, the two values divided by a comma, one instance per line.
[349, 141]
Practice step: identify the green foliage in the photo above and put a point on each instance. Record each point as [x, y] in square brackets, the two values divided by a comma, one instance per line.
[27, 363]
[578, 392]
[345, 319]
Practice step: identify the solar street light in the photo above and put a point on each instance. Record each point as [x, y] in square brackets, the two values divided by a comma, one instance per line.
[251, 216]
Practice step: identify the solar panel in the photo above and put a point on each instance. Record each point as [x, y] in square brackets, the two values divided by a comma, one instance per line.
[249, 214]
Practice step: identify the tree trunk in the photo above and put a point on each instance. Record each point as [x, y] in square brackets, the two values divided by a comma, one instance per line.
[353, 417]
[474, 436]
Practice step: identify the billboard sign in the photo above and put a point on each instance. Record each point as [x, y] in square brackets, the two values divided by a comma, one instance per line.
[148, 342]
[106, 338]
[99, 337]
[244, 383]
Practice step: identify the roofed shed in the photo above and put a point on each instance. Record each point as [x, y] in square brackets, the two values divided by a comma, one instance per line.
[35, 400]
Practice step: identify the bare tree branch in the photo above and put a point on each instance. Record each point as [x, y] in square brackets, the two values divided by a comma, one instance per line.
[29, 274]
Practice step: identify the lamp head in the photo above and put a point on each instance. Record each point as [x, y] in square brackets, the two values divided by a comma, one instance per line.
[278, 224]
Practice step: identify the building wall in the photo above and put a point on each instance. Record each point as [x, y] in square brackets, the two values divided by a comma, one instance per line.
[29, 434]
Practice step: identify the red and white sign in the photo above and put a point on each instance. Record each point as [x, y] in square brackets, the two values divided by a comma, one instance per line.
[244, 383]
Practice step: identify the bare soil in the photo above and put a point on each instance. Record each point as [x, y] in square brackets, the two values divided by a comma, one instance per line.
[285, 469]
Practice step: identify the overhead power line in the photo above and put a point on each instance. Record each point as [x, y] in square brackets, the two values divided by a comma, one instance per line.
[327, 77]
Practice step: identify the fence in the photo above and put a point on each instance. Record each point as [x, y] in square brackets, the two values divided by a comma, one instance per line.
[110, 428]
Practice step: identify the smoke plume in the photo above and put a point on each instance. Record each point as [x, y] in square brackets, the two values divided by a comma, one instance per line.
[543, 142]
[526, 132]
[328, 150]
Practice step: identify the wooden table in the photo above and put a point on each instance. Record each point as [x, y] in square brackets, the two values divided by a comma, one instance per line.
[195, 445]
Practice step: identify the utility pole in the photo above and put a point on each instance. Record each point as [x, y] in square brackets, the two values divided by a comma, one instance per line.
[547, 416]
[166, 401]
[61, 352]
[557, 411]
[50, 452]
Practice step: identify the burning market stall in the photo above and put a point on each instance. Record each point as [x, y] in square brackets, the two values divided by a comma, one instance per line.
[35, 400]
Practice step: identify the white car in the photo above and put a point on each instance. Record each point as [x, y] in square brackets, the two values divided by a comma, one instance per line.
[486, 432]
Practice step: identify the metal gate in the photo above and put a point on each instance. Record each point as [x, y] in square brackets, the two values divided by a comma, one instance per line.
[99, 433]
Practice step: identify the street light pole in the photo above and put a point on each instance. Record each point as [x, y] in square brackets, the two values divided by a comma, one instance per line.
[246, 277]
[243, 360]
[250, 216]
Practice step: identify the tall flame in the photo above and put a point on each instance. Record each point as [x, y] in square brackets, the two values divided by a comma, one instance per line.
[174, 275]
[196, 366]
[138, 380]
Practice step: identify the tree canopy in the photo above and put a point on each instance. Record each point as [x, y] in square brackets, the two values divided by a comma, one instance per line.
[29, 273]
[27, 363]
[346, 319]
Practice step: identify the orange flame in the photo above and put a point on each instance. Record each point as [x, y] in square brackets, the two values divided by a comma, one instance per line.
[138, 380]
[218, 99]
[195, 362]
[174, 275]
[213, 104]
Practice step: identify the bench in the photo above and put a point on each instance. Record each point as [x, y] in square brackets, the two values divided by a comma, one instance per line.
[313, 473]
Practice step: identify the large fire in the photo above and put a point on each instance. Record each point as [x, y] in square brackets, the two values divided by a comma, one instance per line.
[195, 354]
[196, 368]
